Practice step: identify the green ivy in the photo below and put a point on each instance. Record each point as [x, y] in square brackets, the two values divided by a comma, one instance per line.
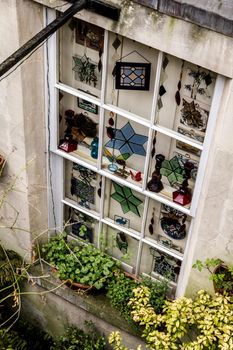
[80, 263]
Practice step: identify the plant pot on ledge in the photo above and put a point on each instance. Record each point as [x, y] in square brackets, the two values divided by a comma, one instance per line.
[223, 279]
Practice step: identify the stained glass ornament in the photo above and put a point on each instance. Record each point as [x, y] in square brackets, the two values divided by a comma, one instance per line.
[116, 43]
[177, 97]
[177, 94]
[208, 79]
[68, 145]
[172, 170]
[99, 189]
[125, 197]
[132, 76]
[111, 121]
[151, 229]
[82, 190]
[110, 132]
[162, 90]
[121, 242]
[127, 141]
[173, 228]
[182, 197]
[155, 184]
[114, 71]
[165, 62]
[160, 103]
[165, 265]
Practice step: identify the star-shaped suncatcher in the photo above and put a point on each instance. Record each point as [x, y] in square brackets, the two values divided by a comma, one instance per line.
[172, 170]
[126, 198]
[127, 141]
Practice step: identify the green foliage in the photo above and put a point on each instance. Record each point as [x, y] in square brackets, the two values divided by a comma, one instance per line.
[8, 260]
[11, 340]
[221, 274]
[77, 339]
[80, 263]
[210, 318]
[120, 291]
[116, 341]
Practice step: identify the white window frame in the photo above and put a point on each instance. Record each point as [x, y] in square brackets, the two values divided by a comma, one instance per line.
[56, 158]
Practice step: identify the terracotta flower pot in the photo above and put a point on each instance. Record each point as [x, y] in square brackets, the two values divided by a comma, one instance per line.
[74, 285]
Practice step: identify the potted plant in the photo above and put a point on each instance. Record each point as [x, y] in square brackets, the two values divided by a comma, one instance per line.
[81, 265]
[220, 273]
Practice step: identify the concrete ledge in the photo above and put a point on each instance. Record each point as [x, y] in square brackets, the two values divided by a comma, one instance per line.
[215, 18]
[97, 304]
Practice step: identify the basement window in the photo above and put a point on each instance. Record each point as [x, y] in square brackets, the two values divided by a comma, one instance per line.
[130, 133]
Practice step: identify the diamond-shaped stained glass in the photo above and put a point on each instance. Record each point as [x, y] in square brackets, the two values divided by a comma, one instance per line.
[133, 76]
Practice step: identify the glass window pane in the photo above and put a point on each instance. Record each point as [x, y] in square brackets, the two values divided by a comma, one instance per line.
[81, 51]
[173, 169]
[167, 226]
[185, 97]
[121, 246]
[130, 75]
[123, 206]
[82, 186]
[157, 264]
[81, 226]
[78, 128]
[124, 148]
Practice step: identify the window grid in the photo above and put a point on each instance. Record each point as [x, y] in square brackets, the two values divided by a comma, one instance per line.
[55, 87]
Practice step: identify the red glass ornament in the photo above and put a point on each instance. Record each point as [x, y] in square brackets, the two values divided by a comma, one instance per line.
[111, 121]
[68, 146]
[182, 196]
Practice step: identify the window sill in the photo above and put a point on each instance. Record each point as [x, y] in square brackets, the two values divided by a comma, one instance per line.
[97, 305]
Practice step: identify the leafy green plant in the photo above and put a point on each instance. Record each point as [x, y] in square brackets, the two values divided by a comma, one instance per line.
[77, 339]
[210, 318]
[11, 340]
[221, 274]
[79, 263]
[10, 261]
[120, 291]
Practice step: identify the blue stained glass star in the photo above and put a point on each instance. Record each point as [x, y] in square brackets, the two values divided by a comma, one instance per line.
[127, 141]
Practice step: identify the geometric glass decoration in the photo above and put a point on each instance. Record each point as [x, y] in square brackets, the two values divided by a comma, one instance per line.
[83, 190]
[165, 265]
[127, 141]
[124, 196]
[172, 170]
[133, 76]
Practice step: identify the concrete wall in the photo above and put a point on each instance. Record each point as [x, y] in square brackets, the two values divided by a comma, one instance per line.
[22, 131]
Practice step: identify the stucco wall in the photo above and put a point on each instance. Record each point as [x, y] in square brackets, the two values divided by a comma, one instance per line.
[22, 131]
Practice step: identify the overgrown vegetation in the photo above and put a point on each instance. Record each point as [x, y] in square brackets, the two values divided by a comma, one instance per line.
[120, 291]
[210, 318]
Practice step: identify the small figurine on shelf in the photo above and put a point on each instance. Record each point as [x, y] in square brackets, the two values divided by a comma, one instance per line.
[68, 144]
[155, 184]
[183, 196]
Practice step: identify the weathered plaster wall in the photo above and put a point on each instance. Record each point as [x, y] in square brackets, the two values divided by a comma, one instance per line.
[213, 229]
[22, 135]
[54, 314]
